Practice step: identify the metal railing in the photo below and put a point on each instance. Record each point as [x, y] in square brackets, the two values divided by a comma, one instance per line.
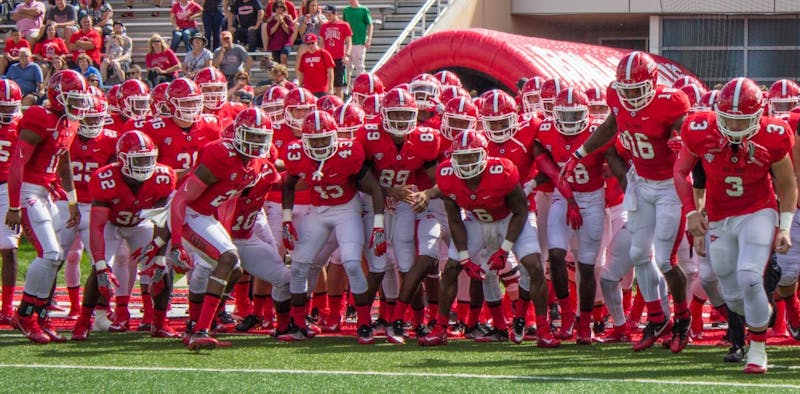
[419, 20]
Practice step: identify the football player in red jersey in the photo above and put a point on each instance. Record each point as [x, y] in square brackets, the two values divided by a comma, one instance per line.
[328, 103]
[448, 78]
[372, 108]
[647, 115]
[496, 222]
[598, 107]
[531, 98]
[40, 160]
[349, 118]
[213, 84]
[10, 99]
[223, 170]
[364, 85]
[332, 169]
[272, 102]
[93, 148]
[547, 95]
[571, 126]
[425, 89]
[159, 102]
[133, 103]
[739, 149]
[120, 192]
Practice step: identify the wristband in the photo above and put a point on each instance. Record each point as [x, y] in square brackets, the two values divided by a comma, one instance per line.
[580, 153]
[158, 242]
[100, 265]
[161, 261]
[72, 197]
[377, 220]
[785, 223]
[463, 255]
[13, 209]
[507, 245]
[287, 215]
[690, 213]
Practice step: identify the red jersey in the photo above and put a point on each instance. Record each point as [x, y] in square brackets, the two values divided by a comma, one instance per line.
[337, 185]
[117, 122]
[282, 137]
[183, 14]
[87, 155]
[518, 149]
[233, 175]
[395, 165]
[589, 172]
[12, 48]
[56, 133]
[227, 113]
[423, 181]
[108, 186]
[735, 186]
[249, 204]
[646, 131]
[92, 36]
[50, 48]
[9, 133]
[333, 35]
[178, 147]
[434, 122]
[314, 67]
[487, 203]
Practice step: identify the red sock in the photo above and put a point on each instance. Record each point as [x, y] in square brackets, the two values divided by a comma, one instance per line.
[626, 301]
[74, 298]
[758, 336]
[383, 308]
[8, 300]
[723, 311]
[638, 307]
[507, 307]
[654, 312]
[335, 307]
[320, 301]
[681, 310]
[241, 291]
[282, 322]
[364, 317]
[474, 316]
[299, 316]
[399, 311]
[497, 316]
[597, 313]
[696, 311]
[542, 325]
[258, 305]
[484, 316]
[792, 310]
[780, 318]
[121, 312]
[211, 303]
[86, 312]
[551, 293]
[442, 321]
[194, 310]
[269, 308]
[147, 306]
[567, 307]
[522, 308]
[462, 310]
[159, 317]
[419, 317]
[433, 311]
[389, 310]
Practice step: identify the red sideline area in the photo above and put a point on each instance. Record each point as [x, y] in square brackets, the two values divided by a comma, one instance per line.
[176, 318]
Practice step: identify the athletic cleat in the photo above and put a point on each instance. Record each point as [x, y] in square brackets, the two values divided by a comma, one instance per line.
[225, 318]
[73, 315]
[396, 333]
[30, 328]
[6, 319]
[351, 313]
[379, 326]
[680, 335]
[164, 332]
[518, 330]
[735, 354]
[754, 369]
[248, 323]
[530, 333]
[617, 335]
[548, 340]
[794, 331]
[456, 330]
[53, 307]
[652, 332]
[422, 330]
[101, 322]
[476, 331]
[82, 328]
[119, 326]
[599, 327]
[365, 335]
[50, 331]
[494, 335]
[144, 327]
[293, 334]
[330, 327]
[567, 328]
[201, 340]
[434, 338]
[312, 330]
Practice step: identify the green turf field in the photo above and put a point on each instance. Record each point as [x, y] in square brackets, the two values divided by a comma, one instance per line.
[135, 363]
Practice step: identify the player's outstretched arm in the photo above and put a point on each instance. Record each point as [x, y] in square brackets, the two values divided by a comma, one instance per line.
[618, 166]
[518, 205]
[370, 185]
[600, 136]
[65, 174]
[28, 139]
[786, 189]
[191, 188]
[681, 173]
[457, 229]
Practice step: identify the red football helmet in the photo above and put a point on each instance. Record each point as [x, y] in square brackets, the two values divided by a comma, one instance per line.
[686, 80]
[598, 107]
[694, 92]
[134, 99]
[252, 133]
[372, 108]
[113, 99]
[739, 108]
[68, 92]
[328, 103]
[531, 94]
[448, 78]
[783, 96]
[499, 116]
[366, 84]
[637, 77]
[349, 118]
[425, 88]
[138, 155]
[571, 111]
[272, 102]
[186, 99]
[94, 121]
[460, 115]
[159, 102]
[708, 101]
[547, 96]
[214, 86]
[399, 112]
[298, 102]
[94, 91]
[320, 141]
[469, 156]
[450, 92]
[10, 99]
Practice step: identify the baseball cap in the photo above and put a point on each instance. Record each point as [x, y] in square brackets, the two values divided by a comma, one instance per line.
[330, 8]
[309, 38]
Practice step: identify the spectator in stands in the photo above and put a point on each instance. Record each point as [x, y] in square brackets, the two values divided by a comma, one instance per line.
[213, 20]
[65, 17]
[315, 68]
[135, 72]
[278, 76]
[360, 20]
[244, 20]
[47, 47]
[279, 34]
[241, 82]
[337, 38]
[309, 22]
[198, 58]
[59, 63]
[162, 64]
[117, 57]
[184, 14]
[85, 66]
[290, 8]
[14, 43]
[231, 58]
[87, 40]
[29, 16]
[102, 16]
[28, 76]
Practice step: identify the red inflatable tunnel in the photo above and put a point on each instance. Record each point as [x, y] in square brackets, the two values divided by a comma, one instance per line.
[507, 57]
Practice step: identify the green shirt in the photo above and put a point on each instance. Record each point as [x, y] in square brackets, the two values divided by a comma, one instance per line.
[359, 19]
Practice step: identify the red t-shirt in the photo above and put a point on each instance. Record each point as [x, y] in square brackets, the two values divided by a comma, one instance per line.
[333, 35]
[182, 14]
[12, 48]
[314, 67]
[92, 36]
[163, 60]
[50, 48]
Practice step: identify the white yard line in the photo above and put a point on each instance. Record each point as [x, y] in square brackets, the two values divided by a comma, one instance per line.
[401, 374]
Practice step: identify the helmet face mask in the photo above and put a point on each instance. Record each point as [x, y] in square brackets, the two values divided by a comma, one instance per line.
[139, 165]
[275, 111]
[320, 147]
[599, 110]
[500, 128]
[738, 128]
[399, 122]
[782, 106]
[571, 120]
[187, 109]
[455, 124]
[8, 111]
[215, 94]
[531, 102]
[252, 142]
[93, 122]
[136, 107]
[468, 163]
[75, 104]
[295, 114]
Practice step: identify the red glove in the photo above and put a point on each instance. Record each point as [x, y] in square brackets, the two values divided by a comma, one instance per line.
[757, 154]
[144, 256]
[181, 261]
[574, 218]
[289, 235]
[675, 142]
[378, 241]
[155, 272]
[474, 271]
[498, 260]
[105, 280]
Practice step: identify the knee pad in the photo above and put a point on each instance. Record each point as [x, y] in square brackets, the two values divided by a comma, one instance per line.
[299, 282]
[199, 282]
[280, 292]
[639, 255]
[358, 282]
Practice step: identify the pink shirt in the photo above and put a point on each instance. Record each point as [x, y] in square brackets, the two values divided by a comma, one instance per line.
[28, 25]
